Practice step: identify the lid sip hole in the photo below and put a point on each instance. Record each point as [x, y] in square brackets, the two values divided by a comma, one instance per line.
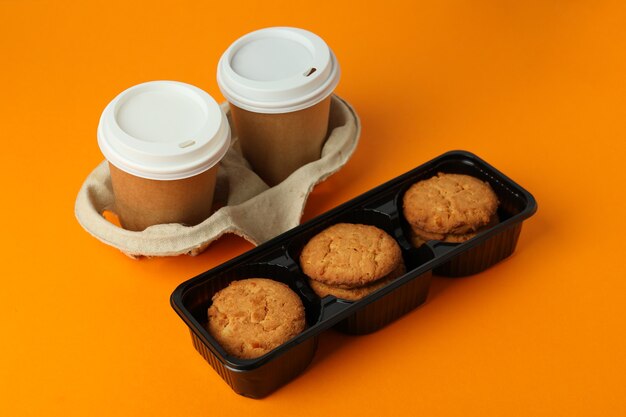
[186, 143]
[309, 72]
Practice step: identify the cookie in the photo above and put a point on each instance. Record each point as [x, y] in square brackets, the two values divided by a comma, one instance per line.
[354, 294]
[419, 237]
[449, 204]
[350, 255]
[253, 316]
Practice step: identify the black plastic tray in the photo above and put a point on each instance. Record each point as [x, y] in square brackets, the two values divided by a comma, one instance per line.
[382, 207]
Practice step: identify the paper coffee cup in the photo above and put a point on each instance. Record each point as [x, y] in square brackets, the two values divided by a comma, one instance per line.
[163, 141]
[278, 82]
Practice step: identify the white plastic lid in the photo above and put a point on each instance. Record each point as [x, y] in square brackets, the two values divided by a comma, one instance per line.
[163, 130]
[277, 70]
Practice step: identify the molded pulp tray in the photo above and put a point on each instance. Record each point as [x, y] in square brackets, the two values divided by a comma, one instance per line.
[382, 207]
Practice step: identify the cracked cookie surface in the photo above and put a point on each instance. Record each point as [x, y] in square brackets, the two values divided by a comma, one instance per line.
[253, 316]
[449, 204]
[350, 255]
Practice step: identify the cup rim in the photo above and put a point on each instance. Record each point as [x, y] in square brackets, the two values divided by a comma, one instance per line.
[319, 75]
[168, 159]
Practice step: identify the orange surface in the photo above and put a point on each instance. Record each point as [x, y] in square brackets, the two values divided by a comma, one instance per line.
[537, 88]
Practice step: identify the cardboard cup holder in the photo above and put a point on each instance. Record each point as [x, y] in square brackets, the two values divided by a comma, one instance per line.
[248, 207]
[382, 207]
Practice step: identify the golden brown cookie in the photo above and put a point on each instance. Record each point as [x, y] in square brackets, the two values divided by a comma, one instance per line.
[419, 237]
[353, 294]
[449, 204]
[350, 255]
[253, 316]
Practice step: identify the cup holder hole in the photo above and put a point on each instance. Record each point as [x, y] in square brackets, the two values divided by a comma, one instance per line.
[111, 217]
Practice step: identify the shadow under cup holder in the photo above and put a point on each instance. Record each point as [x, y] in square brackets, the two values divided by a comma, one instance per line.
[278, 259]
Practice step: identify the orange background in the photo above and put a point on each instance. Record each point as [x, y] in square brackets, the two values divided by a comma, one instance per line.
[537, 88]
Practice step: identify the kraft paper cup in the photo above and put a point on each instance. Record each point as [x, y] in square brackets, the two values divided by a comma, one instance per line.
[278, 82]
[163, 141]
